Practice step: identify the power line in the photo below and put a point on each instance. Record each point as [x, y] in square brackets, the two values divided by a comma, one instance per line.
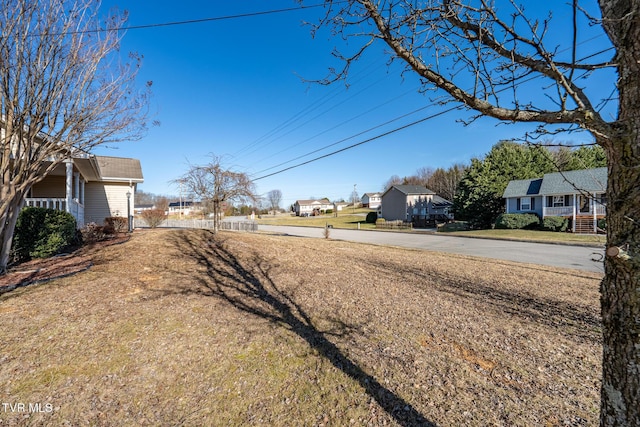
[382, 135]
[530, 78]
[347, 138]
[201, 20]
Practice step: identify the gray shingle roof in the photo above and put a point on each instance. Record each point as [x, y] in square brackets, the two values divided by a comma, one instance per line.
[523, 187]
[572, 181]
[440, 201]
[413, 189]
[119, 168]
[590, 180]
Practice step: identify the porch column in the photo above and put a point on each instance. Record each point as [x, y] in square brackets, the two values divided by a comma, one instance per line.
[76, 186]
[69, 185]
[595, 217]
[81, 194]
[575, 202]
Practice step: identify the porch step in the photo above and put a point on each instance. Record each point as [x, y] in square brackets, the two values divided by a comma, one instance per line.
[584, 225]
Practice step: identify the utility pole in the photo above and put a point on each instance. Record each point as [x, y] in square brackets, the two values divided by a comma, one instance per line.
[353, 196]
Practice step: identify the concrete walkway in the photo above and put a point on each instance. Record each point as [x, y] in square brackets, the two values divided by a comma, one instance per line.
[555, 255]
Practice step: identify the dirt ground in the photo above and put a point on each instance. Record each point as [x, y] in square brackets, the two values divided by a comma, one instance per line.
[181, 327]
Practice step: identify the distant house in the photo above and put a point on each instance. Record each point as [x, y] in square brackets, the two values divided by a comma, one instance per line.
[429, 210]
[578, 195]
[371, 200]
[398, 201]
[339, 206]
[138, 209]
[186, 207]
[89, 187]
[312, 207]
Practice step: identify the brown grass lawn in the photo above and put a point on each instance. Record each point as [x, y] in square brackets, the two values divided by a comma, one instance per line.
[179, 327]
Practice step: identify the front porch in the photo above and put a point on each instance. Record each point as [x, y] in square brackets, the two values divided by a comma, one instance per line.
[63, 189]
[584, 211]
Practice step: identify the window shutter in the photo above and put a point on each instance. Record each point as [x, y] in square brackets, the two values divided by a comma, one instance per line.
[533, 204]
[518, 204]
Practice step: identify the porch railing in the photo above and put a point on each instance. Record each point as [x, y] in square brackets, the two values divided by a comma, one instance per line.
[60, 204]
[568, 211]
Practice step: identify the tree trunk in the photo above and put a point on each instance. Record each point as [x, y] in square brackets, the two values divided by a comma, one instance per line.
[6, 237]
[620, 292]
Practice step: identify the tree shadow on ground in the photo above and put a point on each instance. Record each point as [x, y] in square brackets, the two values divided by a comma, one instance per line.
[568, 319]
[243, 279]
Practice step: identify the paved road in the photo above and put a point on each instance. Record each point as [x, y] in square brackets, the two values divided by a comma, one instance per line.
[575, 257]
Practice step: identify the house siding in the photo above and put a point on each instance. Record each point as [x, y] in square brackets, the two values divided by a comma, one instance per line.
[512, 205]
[103, 200]
[394, 206]
[53, 187]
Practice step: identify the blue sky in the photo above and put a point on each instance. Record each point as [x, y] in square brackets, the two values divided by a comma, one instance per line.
[235, 88]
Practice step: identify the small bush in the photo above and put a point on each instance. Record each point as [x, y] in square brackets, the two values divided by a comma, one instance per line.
[41, 233]
[153, 217]
[118, 223]
[602, 225]
[380, 221]
[555, 223]
[92, 233]
[372, 217]
[517, 221]
[454, 226]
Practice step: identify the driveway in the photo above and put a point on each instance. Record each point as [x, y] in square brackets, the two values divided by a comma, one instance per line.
[563, 256]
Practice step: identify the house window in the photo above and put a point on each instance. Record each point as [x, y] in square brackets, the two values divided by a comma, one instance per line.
[558, 201]
[525, 203]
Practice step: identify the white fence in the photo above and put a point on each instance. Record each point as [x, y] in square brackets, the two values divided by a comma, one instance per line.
[204, 224]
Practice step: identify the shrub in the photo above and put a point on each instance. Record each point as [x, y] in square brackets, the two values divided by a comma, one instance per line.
[153, 217]
[454, 226]
[555, 223]
[602, 225]
[92, 233]
[517, 221]
[371, 218]
[118, 223]
[41, 233]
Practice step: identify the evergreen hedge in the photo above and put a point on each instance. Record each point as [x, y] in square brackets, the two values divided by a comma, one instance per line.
[42, 232]
[555, 223]
[518, 221]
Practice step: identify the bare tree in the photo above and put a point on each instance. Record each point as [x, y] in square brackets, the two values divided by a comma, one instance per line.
[445, 181]
[63, 91]
[216, 186]
[274, 197]
[499, 60]
[394, 180]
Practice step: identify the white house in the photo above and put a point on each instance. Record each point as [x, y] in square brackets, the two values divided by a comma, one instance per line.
[371, 200]
[312, 207]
